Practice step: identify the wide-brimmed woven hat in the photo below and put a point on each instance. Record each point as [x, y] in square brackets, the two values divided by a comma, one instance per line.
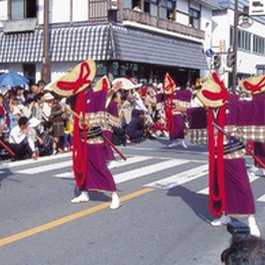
[253, 85]
[102, 84]
[126, 84]
[213, 93]
[76, 79]
[169, 86]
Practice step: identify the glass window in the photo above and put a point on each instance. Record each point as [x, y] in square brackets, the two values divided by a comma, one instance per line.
[167, 9]
[127, 4]
[194, 18]
[258, 44]
[21, 9]
[17, 9]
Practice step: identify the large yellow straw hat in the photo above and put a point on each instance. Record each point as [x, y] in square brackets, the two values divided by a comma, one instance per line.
[253, 85]
[213, 93]
[102, 83]
[76, 80]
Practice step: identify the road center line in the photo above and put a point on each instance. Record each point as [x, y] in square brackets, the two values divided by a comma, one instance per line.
[69, 218]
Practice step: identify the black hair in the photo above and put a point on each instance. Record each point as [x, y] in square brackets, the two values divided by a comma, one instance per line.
[245, 250]
[47, 125]
[41, 82]
[23, 121]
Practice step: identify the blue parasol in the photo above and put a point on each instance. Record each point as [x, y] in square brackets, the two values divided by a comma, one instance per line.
[12, 79]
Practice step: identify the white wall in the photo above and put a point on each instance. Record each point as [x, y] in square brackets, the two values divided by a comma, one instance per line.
[3, 11]
[206, 26]
[80, 10]
[60, 11]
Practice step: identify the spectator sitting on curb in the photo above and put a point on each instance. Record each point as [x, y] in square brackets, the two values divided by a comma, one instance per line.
[21, 142]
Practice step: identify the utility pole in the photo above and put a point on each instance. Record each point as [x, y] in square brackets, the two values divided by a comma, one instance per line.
[235, 44]
[46, 63]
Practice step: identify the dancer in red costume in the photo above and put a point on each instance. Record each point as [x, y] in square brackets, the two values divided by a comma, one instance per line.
[256, 87]
[175, 119]
[91, 118]
[225, 124]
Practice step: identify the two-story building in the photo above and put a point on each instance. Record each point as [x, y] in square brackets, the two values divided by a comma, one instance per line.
[141, 38]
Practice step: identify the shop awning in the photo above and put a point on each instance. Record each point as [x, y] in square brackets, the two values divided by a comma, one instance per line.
[148, 47]
[102, 43]
[80, 43]
[21, 47]
[66, 44]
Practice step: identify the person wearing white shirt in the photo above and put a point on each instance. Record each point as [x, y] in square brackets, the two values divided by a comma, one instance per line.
[20, 140]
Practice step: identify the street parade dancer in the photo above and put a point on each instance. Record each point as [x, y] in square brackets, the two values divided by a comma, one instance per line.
[175, 119]
[89, 159]
[256, 87]
[226, 124]
[111, 108]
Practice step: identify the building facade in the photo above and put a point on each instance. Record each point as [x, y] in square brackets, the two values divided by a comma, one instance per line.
[143, 38]
[251, 41]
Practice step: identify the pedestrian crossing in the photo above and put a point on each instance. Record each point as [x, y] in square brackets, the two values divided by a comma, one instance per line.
[61, 167]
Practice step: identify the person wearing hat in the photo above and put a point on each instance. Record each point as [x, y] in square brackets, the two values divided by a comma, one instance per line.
[174, 118]
[224, 124]
[89, 108]
[255, 86]
[21, 142]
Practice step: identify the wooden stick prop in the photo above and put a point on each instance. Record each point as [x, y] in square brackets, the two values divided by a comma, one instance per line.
[249, 150]
[67, 108]
[7, 148]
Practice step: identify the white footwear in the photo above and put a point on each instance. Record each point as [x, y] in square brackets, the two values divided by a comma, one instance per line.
[184, 144]
[112, 164]
[83, 197]
[260, 172]
[223, 220]
[175, 143]
[252, 169]
[254, 229]
[115, 202]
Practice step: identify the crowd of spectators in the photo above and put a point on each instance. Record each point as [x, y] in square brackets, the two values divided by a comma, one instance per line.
[33, 122]
[36, 118]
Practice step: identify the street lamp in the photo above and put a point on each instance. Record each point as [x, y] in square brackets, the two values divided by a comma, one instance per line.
[235, 42]
[243, 20]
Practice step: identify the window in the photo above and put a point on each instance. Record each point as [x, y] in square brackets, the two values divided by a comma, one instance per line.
[21, 9]
[244, 40]
[167, 8]
[150, 6]
[194, 19]
[258, 44]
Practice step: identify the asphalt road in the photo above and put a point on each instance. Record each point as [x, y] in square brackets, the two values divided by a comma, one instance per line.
[164, 218]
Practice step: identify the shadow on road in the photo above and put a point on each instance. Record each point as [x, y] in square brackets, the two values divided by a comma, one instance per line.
[197, 202]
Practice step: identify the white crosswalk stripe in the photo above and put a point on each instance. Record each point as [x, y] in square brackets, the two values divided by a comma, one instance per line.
[45, 168]
[153, 165]
[261, 198]
[180, 178]
[33, 162]
[120, 163]
[139, 172]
